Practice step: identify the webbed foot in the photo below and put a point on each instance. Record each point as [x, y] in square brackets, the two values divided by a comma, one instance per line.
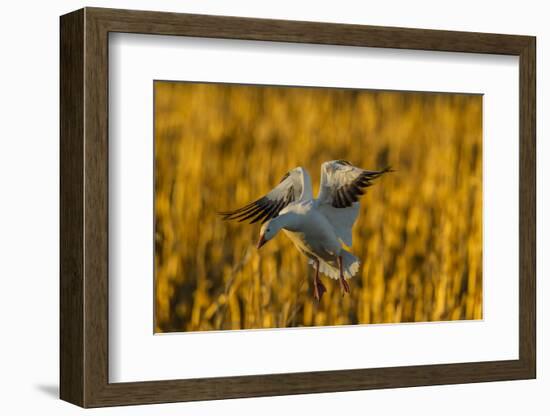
[318, 290]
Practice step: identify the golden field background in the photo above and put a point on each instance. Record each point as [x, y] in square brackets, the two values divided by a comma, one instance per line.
[418, 236]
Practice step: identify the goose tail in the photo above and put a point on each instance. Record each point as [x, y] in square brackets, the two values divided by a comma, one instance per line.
[350, 263]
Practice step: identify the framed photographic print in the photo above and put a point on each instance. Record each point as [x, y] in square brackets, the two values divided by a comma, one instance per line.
[255, 207]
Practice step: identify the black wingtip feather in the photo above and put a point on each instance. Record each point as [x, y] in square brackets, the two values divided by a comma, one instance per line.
[347, 195]
[262, 209]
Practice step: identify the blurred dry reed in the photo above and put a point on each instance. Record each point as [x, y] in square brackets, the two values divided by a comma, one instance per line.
[419, 234]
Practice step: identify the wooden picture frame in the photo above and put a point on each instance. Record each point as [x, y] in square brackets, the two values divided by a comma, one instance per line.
[84, 207]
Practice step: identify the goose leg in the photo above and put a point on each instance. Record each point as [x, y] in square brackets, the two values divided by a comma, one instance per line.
[343, 284]
[318, 287]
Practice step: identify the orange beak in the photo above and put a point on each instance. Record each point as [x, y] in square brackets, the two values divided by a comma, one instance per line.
[261, 242]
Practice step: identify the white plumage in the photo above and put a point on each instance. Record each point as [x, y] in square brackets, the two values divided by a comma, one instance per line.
[317, 227]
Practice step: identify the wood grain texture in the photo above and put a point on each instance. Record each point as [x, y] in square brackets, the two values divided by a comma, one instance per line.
[96, 228]
[527, 208]
[225, 27]
[71, 99]
[84, 207]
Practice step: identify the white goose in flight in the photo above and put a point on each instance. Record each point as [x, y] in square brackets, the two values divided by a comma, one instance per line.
[317, 227]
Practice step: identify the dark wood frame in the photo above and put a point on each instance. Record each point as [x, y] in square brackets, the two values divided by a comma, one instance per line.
[84, 207]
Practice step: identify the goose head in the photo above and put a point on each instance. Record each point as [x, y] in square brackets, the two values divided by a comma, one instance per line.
[268, 231]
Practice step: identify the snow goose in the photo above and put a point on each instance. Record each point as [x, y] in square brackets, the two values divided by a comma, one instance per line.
[317, 227]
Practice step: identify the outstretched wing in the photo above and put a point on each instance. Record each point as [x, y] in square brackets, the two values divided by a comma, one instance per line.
[290, 189]
[342, 184]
